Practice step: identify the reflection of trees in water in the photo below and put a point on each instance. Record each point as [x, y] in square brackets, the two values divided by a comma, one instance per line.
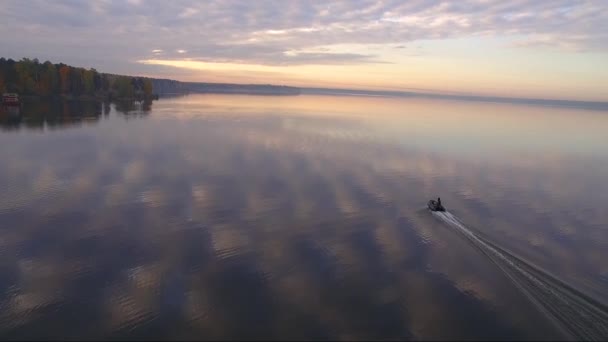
[10, 117]
[124, 107]
[64, 113]
[133, 108]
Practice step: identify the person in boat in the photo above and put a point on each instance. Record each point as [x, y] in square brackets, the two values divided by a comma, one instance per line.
[436, 205]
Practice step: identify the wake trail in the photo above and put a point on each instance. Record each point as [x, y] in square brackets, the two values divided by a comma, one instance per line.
[574, 313]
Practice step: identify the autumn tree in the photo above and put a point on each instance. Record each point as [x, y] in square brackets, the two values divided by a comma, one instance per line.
[96, 80]
[25, 73]
[53, 75]
[105, 83]
[47, 83]
[124, 87]
[64, 76]
[9, 74]
[148, 88]
[88, 78]
[76, 81]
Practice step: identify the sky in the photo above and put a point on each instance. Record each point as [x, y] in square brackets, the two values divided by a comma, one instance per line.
[554, 49]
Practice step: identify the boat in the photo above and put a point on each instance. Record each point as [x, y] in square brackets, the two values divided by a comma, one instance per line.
[436, 205]
[10, 99]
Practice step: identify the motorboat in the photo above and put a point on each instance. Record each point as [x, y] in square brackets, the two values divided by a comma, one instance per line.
[436, 205]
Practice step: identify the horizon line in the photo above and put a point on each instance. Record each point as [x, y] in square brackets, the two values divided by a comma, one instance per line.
[316, 90]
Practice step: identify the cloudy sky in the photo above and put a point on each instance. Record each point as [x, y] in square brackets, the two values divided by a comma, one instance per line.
[523, 48]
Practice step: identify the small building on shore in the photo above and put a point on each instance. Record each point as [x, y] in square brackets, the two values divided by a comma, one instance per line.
[10, 99]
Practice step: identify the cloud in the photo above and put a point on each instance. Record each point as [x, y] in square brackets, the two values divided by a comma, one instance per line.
[327, 58]
[265, 32]
[188, 12]
[569, 43]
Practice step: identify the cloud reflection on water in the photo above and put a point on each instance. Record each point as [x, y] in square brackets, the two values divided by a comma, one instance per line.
[277, 220]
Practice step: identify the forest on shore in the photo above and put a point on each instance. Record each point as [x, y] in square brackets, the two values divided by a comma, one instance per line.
[30, 78]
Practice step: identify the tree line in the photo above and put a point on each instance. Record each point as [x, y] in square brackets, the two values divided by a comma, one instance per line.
[30, 77]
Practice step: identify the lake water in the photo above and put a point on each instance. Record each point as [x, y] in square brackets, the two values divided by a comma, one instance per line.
[296, 217]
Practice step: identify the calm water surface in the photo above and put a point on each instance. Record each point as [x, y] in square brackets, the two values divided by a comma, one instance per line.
[225, 217]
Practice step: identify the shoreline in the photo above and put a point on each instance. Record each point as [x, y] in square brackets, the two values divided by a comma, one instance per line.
[102, 98]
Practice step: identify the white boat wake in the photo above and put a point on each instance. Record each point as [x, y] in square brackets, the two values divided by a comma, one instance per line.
[574, 313]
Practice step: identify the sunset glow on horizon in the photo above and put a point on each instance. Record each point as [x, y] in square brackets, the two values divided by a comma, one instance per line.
[530, 49]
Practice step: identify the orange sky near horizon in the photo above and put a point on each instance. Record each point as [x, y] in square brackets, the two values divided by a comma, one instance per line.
[421, 73]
